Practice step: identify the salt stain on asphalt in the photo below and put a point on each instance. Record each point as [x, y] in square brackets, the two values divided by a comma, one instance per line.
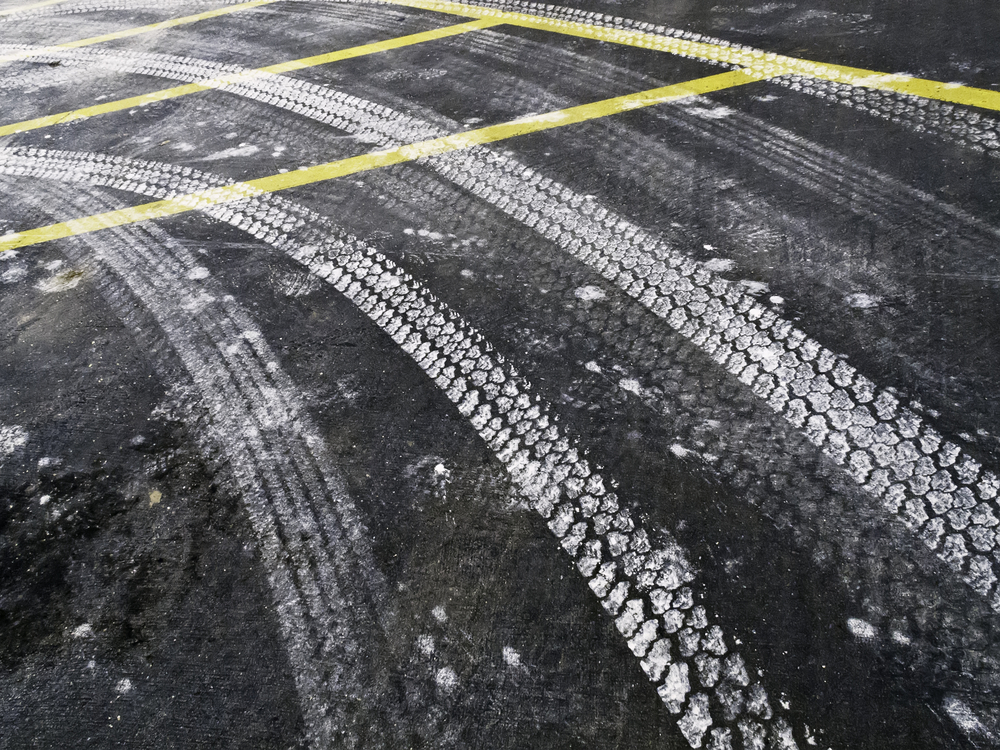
[244, 149]
[861, 301]
[590, 293]
[11, 438]
[61, 282]
[862, 629]
[511, 657]
[446, 679]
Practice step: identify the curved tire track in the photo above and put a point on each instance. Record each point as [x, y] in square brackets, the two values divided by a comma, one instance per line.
[326, 587]
[802, 373]
[644, 586]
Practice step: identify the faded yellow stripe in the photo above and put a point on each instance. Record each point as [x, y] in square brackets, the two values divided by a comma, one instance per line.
[224, 81]
[433, 147]
[125, 33]
[29, 6]
[766, 63]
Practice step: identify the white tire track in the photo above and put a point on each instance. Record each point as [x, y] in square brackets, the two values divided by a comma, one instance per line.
[918, 476]
[311, 538]
[764, 462]
[70, 9]
[807, 401]
[644, 583]
[879, 448]
[973, 129]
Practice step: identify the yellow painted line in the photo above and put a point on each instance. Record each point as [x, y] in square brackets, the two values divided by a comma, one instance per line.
[768, 64]
[377, 159]
[29, 6]
[125, 33]
[224, 81]
[389, 44]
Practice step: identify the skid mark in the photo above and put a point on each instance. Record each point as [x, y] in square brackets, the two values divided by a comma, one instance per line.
[644, 581]
[226, 82]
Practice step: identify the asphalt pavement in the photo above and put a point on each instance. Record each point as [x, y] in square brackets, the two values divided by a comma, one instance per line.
[419, 374]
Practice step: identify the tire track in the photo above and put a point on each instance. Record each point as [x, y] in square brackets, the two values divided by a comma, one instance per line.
[72, 9]
[769, 154]
[783, 379]
[926, 232]
[76, 26]
[52, 68]
[763, 461]
[325, 583]
[508, 190]
[629, 338]
[865, 191]
[967, 127]
[888, 449]
[786, 476]
[928, 238]
[644, 584]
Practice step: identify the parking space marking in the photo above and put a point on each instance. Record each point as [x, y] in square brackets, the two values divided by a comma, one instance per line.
[126, 33]
[223, 81]
[365, 162]
[768, 64]
[29, 6]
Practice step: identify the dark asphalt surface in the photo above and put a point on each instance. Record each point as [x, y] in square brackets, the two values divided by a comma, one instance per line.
[244, 504]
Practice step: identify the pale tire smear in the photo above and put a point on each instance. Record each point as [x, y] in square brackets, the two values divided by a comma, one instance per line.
[247, 409]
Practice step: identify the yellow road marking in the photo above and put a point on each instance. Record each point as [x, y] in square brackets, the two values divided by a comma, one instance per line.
[223, 81]
[433, 147]
[368, 49]
[766, 63]
[29, 6]
[125, 33]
